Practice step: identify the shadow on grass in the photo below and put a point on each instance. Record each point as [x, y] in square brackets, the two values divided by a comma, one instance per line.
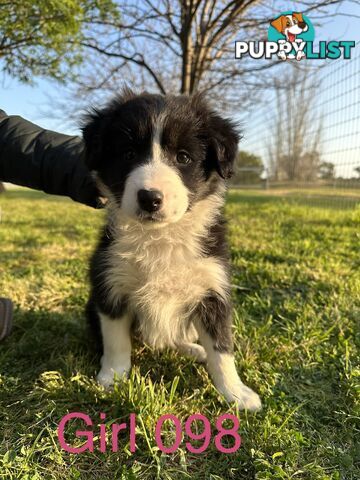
[40, 341]
[46, 360]
[48, 368]
[325, 398]
[43, 341]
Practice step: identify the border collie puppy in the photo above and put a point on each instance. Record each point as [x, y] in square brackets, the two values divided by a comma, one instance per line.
[161, 265]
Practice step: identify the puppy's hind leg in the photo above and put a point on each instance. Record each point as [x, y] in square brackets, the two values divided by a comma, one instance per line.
[116, 338]
[214, 328]
[189, 347]
[193, 350]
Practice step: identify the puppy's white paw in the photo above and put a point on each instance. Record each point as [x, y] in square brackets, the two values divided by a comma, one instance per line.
[245, 398]
[194, 350]
[106, 375]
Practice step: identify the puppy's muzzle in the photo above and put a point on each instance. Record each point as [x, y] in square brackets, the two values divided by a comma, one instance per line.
[150, 200]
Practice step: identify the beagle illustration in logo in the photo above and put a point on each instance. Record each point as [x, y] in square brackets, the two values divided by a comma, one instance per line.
[290, 26]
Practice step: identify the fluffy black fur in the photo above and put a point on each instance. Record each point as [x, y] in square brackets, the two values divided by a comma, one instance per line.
[118, 139]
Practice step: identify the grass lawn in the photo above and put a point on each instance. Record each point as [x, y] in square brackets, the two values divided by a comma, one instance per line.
[296, 324]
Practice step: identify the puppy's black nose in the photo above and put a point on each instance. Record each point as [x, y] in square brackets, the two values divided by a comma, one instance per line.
[150, 200]
[302, 24]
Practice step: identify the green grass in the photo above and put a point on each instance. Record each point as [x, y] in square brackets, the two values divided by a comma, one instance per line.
[296, 314]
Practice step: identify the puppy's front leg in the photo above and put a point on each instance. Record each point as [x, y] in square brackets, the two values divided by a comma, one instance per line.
[117, 348]
[214, 328]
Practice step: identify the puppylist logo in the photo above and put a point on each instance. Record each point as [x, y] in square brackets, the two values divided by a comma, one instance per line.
[291, 36]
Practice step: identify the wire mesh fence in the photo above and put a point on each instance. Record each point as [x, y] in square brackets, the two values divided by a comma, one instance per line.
[304, 135]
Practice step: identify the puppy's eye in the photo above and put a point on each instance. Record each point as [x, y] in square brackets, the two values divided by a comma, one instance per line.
[183, 158]
[129, 155]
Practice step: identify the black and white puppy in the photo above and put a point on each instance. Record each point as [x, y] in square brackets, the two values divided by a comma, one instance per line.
[161, 265]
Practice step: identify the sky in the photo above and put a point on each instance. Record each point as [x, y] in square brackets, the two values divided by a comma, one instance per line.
[336, 102]
[34, 102]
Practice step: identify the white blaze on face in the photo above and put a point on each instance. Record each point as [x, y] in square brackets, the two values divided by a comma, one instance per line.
[156, 175]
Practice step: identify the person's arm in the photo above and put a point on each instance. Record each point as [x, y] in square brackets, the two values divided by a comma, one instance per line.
[44, 160]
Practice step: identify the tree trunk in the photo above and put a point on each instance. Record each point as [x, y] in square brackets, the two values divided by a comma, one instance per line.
[186, 46]
[2, 187]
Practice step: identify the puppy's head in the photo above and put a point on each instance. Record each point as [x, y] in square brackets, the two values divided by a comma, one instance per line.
[156, 156]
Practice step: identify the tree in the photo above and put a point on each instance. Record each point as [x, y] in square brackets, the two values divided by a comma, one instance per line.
[327, 171]
[180, 47]
[357, 170]
[294, 150]
[169, 46]
[248, 169]
[41, 37]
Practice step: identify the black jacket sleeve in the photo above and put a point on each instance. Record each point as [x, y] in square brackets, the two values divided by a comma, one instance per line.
[44, 160]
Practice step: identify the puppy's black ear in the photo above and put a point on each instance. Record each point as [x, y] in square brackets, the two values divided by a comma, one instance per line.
[93, 126]
[96, 123]
[223, 141]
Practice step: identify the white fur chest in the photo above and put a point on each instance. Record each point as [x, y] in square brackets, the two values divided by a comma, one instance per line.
[164, 275]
